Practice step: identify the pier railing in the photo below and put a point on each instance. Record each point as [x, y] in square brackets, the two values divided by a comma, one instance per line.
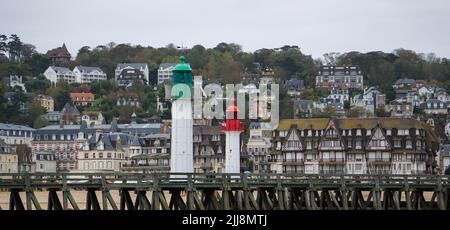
[232, 191]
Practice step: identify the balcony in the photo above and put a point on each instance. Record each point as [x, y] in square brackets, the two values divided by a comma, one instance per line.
[332, 160]
[379, 160]
[66, 159]
[291, 148]
[274, 160]
[148, 166]
[292, 161]
[293, 171]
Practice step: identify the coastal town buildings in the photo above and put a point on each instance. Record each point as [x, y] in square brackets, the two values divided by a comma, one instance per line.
[104, 152]
[340, 76]
[55, 74]
[16, 134]
[88, 74]
[45, 162]
[46, 102]
[8, 158]
[126, 74]
[59, 55]
[354, 146]
[165, 72]
[82, 99]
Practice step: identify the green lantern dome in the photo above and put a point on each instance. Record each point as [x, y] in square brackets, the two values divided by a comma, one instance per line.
[182, 66]
[181, 74]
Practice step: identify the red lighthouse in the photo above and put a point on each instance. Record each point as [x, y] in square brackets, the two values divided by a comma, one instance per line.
[232, 128]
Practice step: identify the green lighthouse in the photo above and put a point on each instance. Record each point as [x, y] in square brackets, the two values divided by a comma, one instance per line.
[181, 80]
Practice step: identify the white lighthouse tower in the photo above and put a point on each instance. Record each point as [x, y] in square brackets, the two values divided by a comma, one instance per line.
[232, 128]
[181, 159]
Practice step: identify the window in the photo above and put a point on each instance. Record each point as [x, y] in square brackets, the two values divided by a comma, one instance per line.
[100, 155]
[408, 144]
[397, 144]
[308, 145]
[86, 155]
[358, 144]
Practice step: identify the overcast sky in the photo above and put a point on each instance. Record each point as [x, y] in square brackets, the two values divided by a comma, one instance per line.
[317, 27]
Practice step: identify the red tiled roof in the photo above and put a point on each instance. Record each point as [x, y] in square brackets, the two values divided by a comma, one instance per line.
[78, 97]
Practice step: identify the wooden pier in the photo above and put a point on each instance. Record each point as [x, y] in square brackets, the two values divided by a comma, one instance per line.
[228, 191]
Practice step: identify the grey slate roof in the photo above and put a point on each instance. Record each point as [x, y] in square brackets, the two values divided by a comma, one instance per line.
[167, 65]
[69, 108]
[5, 148]
[405, 81]
[135, 141]
[88, 69]
[42, 96]
[134, 129]
[445, 150]
[132, 65]
[60, 70]
[4, 126]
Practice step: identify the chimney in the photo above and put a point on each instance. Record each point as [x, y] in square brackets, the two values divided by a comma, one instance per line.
[97, 134]
[162, 128]
[118, 143]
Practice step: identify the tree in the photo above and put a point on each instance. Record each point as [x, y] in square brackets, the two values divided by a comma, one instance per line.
[39, 84]
[37, 63]
[84, 49]
[27, 51]
[40, 122]
[357, 112]
[381, 112]
[331, 58]
[14, 48]
[3, 44]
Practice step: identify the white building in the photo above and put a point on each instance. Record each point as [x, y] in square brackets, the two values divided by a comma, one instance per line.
[370, 100]
[16, 81]
[443, 158]
[165, 72]
[55, 74]
[426, 92]
[443, 96]
[8, 158]
[92, 118]
[86, 74]
[45, 162]
[16, 134]
[340, 94]
[128, 73]
[339, 76]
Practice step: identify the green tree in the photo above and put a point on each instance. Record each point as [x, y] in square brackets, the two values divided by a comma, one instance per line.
[40, 84]
[14, 48]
